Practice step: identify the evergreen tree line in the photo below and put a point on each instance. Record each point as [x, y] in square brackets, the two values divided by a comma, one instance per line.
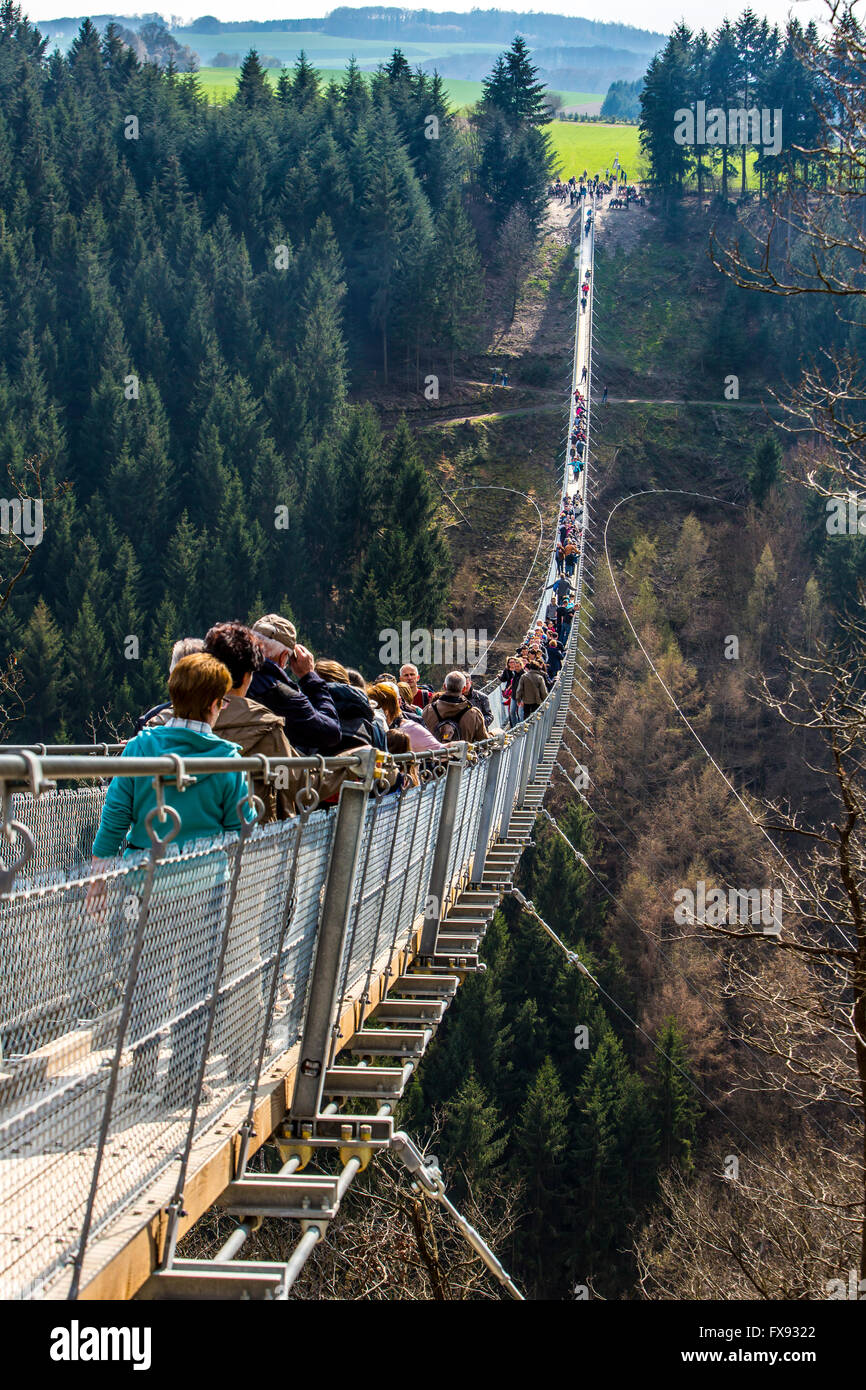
[747, 65]
[575, 1118]
[183, 290]
[622, 102]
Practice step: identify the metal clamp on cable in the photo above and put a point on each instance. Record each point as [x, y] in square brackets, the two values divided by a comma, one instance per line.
[307, 796]
[571, 956]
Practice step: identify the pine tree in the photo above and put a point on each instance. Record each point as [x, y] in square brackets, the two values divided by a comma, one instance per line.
[459, 284]
[88, 671]
[305, 85]
[669, 76]
[724, 74]
[765, 467]
[39, 656]
[674, 1105]
[541, 1141]
[253, 90]
[472, 1143]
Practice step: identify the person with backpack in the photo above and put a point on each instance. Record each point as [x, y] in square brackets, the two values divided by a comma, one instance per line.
[450, 717]
[554, 659]
[566, 617]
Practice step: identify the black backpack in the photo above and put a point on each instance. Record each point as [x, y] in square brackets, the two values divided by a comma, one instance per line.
[448, 729]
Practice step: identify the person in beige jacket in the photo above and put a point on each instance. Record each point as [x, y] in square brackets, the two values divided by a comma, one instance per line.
[531, 690]
[450, 717]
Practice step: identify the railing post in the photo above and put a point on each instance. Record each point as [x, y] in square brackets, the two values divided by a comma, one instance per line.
[510, 785]
[526, 763]
[334, 922]
[485, 819]
[436, 888]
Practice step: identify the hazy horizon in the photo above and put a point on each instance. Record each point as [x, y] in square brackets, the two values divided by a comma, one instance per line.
[664, 15]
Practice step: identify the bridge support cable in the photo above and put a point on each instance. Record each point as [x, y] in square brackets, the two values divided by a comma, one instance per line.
[648, 492]
[426, 1174]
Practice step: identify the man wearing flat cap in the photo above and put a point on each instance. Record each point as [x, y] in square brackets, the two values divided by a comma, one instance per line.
[306, 708]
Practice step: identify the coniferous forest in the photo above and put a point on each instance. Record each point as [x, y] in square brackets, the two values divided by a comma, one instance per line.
[187, 293]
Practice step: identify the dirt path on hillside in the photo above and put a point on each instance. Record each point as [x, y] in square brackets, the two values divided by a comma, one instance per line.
[616, 228]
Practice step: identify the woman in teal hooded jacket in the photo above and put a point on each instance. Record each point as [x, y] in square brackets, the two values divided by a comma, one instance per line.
[187, 907]
[198, 686]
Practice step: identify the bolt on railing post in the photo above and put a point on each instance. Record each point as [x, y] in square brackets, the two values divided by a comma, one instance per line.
[437, 885]
[331, 936]
[485, 819]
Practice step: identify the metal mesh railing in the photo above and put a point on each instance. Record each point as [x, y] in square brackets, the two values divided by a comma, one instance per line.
[66, 966]
[385, 862]
[63, 824]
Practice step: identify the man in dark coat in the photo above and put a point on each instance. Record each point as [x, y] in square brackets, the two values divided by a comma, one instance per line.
[307, 708]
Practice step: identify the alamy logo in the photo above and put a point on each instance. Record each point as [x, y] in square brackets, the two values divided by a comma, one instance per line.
[77, 1343]
[855, 1288]
[735, 127]
[439, 646]
[846, 516]
[22, 517]
[739, 906]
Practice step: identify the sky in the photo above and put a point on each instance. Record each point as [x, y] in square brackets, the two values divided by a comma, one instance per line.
[661, 15]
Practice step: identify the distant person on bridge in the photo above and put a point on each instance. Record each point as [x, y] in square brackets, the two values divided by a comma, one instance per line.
[508, 686]
[479, 701]
[554, 659]
[531, 689]
[604, 396]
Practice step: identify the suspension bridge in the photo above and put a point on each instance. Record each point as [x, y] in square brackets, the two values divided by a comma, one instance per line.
[161, 1021]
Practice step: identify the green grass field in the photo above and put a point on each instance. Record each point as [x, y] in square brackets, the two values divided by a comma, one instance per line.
[219, 84]
[580, 145]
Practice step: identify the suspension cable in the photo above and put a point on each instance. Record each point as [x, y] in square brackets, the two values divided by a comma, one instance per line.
[493, 487]
[648, 492]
